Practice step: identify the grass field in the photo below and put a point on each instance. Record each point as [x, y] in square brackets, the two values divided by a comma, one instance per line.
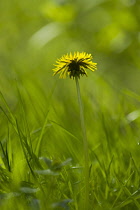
[41, 144]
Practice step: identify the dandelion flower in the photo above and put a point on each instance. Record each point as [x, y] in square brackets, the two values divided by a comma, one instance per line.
[74, 65]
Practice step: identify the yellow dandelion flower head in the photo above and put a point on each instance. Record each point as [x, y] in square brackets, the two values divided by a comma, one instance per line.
[74, 65]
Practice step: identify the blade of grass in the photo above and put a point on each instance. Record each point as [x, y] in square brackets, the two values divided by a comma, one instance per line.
[5, 157]
[44, 124]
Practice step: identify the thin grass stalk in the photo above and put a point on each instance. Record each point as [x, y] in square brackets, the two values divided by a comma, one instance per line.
[85, 145]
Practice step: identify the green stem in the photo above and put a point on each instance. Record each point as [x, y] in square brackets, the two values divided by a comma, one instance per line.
[85, 144]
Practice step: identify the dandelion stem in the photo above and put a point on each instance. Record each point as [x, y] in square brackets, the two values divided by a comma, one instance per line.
[85, 144]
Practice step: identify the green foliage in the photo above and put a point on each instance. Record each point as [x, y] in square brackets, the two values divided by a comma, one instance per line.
[41, 151]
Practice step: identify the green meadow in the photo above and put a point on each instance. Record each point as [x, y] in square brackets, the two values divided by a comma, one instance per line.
[41, 143]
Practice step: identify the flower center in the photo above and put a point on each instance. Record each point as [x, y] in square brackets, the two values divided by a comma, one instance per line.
[74, 66]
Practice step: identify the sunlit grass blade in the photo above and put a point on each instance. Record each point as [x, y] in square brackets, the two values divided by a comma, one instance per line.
[25, 122]
[65, 130]
[5, 157]
[69, 143]
[43, 129]
[8, 113]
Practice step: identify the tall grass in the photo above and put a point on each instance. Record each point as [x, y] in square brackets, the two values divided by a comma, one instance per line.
[41, 165]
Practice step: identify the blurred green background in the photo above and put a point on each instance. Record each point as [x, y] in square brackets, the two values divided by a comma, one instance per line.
[33, 34]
